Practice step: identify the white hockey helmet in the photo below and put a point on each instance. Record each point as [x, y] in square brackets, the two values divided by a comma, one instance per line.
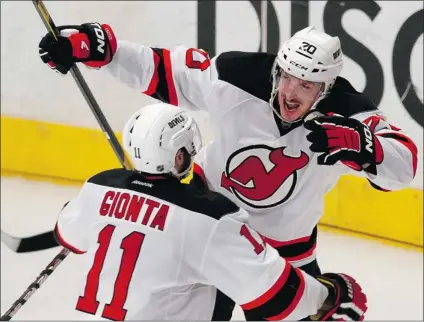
[154, 134]
[310, 55]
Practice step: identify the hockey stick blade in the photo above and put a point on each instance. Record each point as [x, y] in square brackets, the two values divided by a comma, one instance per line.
[33, 243]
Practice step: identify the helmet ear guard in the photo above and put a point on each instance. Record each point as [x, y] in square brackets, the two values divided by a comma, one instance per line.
[188, 137]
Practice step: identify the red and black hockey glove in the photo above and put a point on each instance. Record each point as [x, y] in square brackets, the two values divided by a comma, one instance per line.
[345, 302]
[344, 139]
[90, 43]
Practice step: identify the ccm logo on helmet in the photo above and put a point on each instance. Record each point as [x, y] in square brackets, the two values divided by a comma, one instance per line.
[368, 139]
[100, 38]
[298, 65]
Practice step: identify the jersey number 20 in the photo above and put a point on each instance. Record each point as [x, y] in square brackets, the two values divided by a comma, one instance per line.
[131, 246]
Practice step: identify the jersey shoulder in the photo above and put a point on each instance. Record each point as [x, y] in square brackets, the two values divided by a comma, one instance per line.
[193, 196]
[249, 71]
[345, 100]
[112, 178]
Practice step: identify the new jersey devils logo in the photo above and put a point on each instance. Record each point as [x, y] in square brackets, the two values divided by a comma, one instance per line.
[261, 176]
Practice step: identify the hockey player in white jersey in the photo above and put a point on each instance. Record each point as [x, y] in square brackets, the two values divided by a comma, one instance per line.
[265, 156]
[157, 248]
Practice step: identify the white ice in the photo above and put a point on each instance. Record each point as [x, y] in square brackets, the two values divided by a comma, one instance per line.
[391, 277]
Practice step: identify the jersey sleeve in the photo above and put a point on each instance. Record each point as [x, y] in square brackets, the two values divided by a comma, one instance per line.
[398, 164]
[72, 225]
[242, 266]
[181, 76]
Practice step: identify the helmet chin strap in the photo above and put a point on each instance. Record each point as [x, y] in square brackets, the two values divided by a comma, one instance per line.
[274, 79]
[286, 124]
[181, 175]
[275, 70]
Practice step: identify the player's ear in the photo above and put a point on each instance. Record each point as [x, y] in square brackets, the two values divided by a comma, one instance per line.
[182, 160]
[179, 159]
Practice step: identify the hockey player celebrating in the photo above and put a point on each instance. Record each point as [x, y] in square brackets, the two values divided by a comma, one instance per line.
[286, 126]
[157, 248]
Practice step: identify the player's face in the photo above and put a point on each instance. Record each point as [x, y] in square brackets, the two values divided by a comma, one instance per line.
[296, 96]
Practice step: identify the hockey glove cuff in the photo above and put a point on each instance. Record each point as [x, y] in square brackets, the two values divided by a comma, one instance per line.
[90, 43]
[346, 140]
[345, 301]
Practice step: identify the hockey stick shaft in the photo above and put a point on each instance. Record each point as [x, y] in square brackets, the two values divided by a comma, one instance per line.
[35, 285]
[110, 135]
[82, 85]
[44, 240]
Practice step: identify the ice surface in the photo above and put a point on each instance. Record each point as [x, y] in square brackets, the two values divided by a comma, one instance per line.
[391, 277]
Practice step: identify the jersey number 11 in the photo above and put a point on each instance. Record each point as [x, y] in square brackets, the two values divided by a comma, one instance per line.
[131, 246]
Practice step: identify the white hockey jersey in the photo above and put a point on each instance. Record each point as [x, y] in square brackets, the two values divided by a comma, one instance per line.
[263, 167]
[157, 249]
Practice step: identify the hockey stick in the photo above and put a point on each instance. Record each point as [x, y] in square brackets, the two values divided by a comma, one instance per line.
[43, 241]
[110, 135]
[91, 101]
[29, 244]
[35, 285]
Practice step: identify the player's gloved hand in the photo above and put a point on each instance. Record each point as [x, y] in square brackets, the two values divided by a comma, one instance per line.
[90, 43]
[346, 140]
[345, 301]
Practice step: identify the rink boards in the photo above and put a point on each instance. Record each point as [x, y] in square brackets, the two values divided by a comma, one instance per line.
[49, 150]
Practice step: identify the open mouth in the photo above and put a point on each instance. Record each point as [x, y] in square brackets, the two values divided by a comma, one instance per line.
[291, 106]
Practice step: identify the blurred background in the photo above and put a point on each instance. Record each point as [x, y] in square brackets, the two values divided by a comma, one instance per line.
[48, 133]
